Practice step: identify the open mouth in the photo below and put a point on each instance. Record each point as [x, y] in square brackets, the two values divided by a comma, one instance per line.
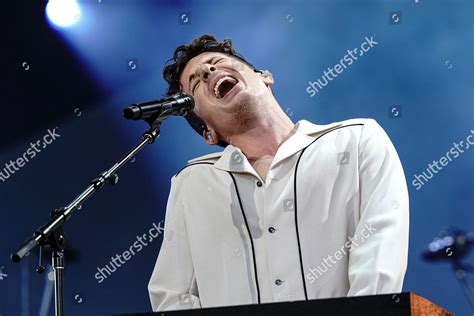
[223, 86]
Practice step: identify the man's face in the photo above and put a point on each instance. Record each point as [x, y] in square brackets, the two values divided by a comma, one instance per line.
[227, 92]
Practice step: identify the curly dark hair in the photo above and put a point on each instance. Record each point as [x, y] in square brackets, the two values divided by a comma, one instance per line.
[182, 55]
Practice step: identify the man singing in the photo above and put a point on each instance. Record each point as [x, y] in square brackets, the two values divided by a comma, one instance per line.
[286, 211]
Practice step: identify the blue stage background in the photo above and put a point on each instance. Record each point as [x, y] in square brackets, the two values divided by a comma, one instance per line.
[417, 82]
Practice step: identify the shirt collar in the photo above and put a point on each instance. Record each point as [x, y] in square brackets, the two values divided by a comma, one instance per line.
[232, 159]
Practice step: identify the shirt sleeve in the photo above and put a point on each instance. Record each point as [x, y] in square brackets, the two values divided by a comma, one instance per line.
[378, 260]
[172, 285]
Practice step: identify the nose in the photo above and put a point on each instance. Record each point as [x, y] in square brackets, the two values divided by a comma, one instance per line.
[206, 70]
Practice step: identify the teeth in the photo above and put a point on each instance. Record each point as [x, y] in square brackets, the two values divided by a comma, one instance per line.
[218, 83]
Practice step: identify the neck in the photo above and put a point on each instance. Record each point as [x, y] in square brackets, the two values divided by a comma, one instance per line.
[264, 138]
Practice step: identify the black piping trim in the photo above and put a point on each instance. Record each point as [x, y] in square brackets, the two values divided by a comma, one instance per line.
[250, 235]
[192, 164]
[296, 204]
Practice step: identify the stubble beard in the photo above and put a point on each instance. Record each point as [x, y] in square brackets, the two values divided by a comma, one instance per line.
[243, 116]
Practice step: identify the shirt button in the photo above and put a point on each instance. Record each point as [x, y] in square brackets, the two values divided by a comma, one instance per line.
[259, 183]
[271, 229]
[278, 282]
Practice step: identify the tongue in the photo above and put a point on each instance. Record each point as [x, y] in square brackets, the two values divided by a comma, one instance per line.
[225, 87]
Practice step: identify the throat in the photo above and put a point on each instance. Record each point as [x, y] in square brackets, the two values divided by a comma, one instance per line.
[262, 165]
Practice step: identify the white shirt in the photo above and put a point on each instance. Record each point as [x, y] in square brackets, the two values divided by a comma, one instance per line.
[231, 239]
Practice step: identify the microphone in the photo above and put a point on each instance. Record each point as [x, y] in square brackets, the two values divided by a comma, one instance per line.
[176, 104]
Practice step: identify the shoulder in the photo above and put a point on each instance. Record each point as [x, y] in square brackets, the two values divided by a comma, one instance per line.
[316, 130]
[208, 159]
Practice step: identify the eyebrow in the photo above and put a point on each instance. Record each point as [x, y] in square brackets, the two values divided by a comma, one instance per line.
[191, 78]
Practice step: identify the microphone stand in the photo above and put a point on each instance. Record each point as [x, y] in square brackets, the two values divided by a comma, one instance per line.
[460, 272]
[52, 232]
[454, 251]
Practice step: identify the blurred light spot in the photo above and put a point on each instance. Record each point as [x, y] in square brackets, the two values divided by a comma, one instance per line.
[63, 13]
[460, 274]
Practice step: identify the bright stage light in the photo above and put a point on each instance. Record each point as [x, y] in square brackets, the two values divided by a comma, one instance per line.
[63, 13]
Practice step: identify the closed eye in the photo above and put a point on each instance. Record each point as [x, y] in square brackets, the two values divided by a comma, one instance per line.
[194, 88]
[197, 80]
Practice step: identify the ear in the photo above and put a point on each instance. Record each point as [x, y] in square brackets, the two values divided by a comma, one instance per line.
[267, 77]
[210, 136]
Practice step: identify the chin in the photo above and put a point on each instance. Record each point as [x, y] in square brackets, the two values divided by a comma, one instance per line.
[240, 102]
